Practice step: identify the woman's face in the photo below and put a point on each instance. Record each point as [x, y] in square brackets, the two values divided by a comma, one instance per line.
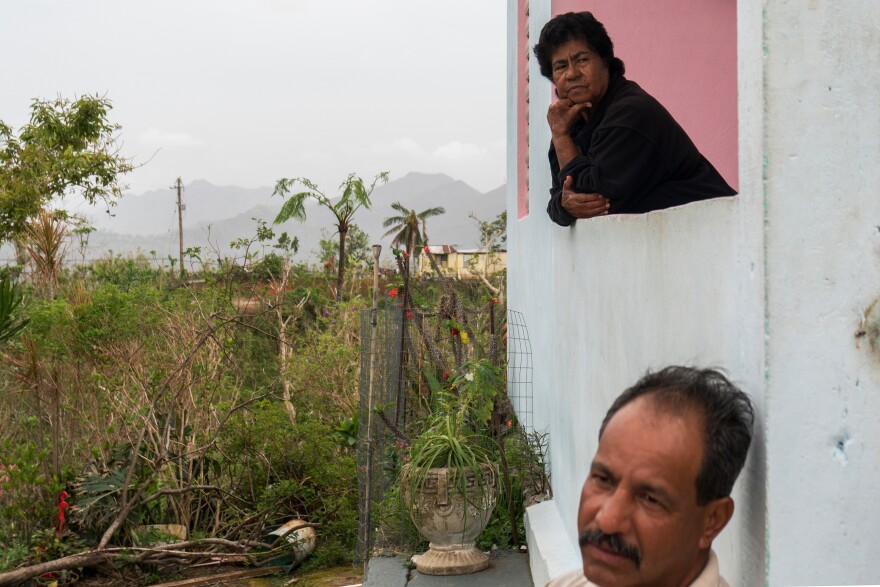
[579, 74]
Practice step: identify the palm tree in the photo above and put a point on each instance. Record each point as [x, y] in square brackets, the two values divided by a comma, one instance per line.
[354, 195]
[407, 227]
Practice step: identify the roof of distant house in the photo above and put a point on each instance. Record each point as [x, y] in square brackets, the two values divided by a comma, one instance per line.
[446, 249]
[441, 249]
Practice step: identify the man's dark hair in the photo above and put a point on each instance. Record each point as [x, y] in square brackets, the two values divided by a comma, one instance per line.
[581, 26]
[727, 413]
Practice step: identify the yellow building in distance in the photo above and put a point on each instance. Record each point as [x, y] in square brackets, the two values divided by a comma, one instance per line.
[466, 263]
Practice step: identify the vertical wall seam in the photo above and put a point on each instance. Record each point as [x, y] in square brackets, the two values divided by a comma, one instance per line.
[765, 155]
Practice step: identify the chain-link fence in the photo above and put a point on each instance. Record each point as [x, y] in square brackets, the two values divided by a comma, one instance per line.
[397, 344]
[382, 338]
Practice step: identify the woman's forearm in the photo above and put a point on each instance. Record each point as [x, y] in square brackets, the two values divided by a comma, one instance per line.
[565, 148]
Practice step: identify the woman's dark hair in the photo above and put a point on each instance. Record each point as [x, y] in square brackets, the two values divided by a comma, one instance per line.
[726, 411]
[581, 26]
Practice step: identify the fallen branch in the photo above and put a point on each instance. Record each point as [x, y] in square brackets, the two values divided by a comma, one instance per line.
[81, 560]
[159, 554]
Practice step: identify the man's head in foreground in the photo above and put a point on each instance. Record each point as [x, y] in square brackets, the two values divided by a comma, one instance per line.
[658, 490]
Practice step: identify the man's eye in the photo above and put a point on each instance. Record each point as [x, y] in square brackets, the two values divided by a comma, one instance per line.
[583, 59]
[600, 479]
[651, 501]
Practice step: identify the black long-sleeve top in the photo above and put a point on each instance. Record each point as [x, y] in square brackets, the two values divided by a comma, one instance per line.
[634, 153]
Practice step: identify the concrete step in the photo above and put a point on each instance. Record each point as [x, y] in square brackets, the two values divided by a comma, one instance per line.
[507, 568]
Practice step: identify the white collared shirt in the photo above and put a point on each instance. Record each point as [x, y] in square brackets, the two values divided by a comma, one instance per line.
[710, 577]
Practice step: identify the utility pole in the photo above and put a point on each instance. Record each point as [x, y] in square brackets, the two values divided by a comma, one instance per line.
[180, 222]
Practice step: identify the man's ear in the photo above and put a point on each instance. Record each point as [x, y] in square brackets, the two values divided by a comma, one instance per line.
[718, 513]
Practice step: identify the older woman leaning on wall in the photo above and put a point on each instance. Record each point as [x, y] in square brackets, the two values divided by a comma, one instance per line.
[615, 149]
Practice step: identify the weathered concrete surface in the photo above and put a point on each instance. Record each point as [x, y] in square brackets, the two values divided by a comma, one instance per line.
[507, 568]
[823, 274]
[387, 571]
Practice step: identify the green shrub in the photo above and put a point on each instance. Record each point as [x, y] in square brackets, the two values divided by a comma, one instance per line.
[292, 472]
[125, 272]
[29, 496]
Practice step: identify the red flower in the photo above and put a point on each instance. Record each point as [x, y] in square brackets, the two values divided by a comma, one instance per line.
[454, 331]
[446, 374]
[409, 315]
[510, 423]
[62, 506]
[495, 300]
[393, 292]
[405, 255]
[427, 250]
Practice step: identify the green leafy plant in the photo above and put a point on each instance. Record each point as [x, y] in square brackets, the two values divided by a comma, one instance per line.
[448, 443]
[454, 434]
[355, 195]
[99, 493]
[44, 239]
[346, 433]
[124, 272]
[67, 146]
[357, 249]
[10, 303]
[27, 494]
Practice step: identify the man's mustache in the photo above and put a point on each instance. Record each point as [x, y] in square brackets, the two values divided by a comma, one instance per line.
[612, 543]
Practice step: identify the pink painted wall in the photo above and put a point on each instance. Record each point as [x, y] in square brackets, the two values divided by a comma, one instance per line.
[683, 52]
[522, 114]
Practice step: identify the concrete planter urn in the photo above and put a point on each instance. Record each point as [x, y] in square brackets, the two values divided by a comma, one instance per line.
[300, 535]
[451, 519]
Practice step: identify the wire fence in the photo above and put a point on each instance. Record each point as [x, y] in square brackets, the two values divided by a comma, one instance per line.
[391, 392]
[381, 398]
[519, 369]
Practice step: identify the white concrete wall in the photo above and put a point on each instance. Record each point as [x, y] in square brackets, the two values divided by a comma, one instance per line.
[770, 285]
[823, 271]
[625, 294]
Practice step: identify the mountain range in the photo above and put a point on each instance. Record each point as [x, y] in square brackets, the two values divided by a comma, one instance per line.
[214, 216]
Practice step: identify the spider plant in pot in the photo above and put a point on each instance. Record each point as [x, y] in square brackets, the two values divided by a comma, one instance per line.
[449, 482]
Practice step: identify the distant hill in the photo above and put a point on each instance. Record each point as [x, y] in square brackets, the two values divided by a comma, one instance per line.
[155, 212]
[214, 216]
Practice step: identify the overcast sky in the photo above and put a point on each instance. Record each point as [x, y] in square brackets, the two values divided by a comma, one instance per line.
[245, 92]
